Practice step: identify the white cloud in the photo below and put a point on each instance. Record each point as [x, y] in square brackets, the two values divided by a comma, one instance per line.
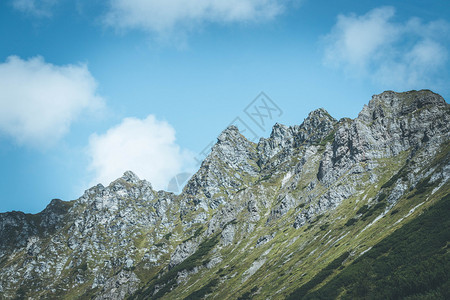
[39, 100]
[394, 54]
[146, 147]
[355, 40]
[38, 8]
[166, 16]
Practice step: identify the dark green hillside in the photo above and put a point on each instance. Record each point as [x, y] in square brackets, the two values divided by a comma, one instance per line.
[411, 263]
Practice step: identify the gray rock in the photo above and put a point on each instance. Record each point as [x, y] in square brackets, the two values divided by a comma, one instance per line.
[227, 234]
[183, 251]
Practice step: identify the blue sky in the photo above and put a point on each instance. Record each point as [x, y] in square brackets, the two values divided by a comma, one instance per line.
[91, 89]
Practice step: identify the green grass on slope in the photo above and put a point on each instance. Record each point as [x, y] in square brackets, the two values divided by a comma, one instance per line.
[168, 280]
[411, 263]
[199, 294]
[320, 277]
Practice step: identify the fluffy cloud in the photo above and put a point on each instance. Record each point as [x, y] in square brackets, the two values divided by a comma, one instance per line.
[38, 8]
[146, 147]
[163, 16]
[393, 54]
[39, 101]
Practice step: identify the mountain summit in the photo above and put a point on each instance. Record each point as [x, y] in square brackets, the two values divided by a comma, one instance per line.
[351, 208]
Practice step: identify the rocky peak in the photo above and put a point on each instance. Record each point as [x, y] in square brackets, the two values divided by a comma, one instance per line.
[232, 158]
[232, 147]
[393, 104]
[316, 122]
[52, 216]
[16, 227]
[230, 134]
[130, 177]
[390, 124]
[317, 116]
[279, 131]
[316, 127]
[283, 139]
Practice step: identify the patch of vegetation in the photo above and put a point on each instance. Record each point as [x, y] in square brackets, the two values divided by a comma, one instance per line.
[324, 226]
[377, 208]
[328, 139]
[90, 294]
[314, 221]
[245, 296]
[319, 278]
[412, 262]
[351, 221]
[264, 178]
[21, 292]
[381, 197]
[197, 233]
[394, 211]
[363, 209]
[232, 222]
[423, 186]
[168, 279]
[402, 173]
[206, 289]
[240, 190]
[318, 218]
[248, 295]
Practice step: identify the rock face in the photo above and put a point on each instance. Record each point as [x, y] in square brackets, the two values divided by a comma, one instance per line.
[232, 161]
[254, 219]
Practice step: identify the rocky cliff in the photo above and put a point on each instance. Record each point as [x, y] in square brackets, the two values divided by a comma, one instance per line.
[256, 221]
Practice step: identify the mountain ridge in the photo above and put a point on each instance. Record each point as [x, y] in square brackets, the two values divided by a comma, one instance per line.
[333, 178]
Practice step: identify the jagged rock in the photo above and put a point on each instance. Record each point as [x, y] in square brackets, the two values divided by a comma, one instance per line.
[283, 140]
[130, 177]
[390, 124]
[111, 241]
[252, 207]
[287, 202]
[183, 251]
[224, 216]
[231, 161]
[264, 240]
[228, 234]
[119, 286]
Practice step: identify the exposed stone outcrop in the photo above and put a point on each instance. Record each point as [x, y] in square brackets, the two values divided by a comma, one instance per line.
[119, 240]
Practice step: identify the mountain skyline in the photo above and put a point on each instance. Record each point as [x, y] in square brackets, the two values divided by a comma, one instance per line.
[81, 84]
[349, 208]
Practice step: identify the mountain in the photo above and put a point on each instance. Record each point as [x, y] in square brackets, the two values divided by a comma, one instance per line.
[351, 208]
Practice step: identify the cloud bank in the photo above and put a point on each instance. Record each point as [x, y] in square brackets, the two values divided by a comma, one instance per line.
[166, 16]
[394, 54]
[39, 100]
[146, 147]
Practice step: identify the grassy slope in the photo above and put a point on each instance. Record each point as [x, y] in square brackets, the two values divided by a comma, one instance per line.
[411, 263]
